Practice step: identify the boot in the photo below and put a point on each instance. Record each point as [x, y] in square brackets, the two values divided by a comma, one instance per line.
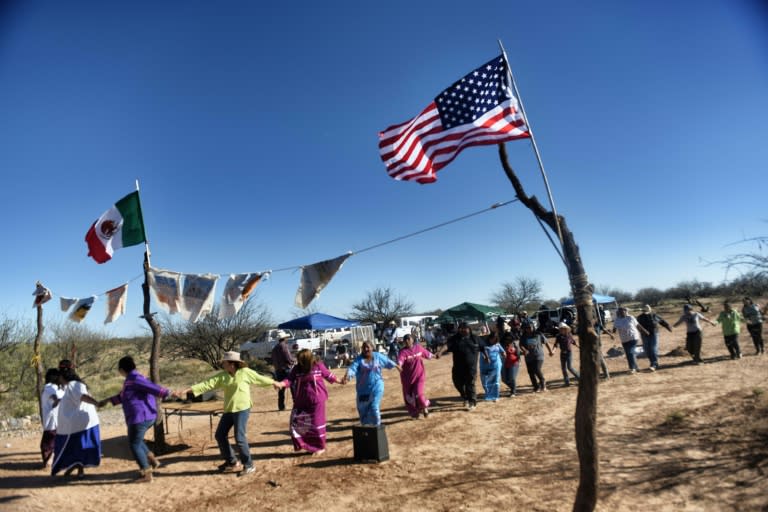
[153, 460]
[145, 476]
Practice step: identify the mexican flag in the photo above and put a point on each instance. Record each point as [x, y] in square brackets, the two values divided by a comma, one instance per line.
[120, 226]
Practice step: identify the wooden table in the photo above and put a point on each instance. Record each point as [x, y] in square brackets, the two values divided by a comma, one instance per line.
[211, 408]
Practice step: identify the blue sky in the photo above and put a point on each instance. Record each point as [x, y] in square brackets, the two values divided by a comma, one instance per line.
[253, 131]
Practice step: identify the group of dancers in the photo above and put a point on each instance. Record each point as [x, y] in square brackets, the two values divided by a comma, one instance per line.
[71, 437]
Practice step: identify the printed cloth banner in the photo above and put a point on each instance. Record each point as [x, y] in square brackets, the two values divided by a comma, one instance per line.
[315, 277]
[66, 303]
[166, 285]
[116, 299]
[197, 297]
[236, 292]
[42, 295]
[81, 308]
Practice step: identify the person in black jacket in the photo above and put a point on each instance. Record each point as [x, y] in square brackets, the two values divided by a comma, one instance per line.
[465, 347]
[651, 321]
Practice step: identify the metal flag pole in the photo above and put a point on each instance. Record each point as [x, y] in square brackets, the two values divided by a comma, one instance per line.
[533, 142]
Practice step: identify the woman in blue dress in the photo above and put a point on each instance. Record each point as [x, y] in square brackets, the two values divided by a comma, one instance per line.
[366, 369]
[490, 367]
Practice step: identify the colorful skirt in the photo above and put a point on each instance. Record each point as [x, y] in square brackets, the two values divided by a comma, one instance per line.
[308, 427]
[78, 449]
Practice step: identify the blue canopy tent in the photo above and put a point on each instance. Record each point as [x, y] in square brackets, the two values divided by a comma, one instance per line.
[317, 322]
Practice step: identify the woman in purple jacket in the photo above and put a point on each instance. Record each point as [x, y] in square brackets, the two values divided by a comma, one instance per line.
[140, 409]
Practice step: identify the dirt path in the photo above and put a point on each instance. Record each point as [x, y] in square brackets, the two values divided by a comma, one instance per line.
[684, 438]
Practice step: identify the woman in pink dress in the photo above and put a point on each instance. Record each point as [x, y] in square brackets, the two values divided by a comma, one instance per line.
[306, 381]
[413, 376]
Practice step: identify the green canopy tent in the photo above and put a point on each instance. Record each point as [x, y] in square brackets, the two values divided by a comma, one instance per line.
[468, 312]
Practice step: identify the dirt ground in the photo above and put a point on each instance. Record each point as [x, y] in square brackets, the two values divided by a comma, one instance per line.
[686, 438]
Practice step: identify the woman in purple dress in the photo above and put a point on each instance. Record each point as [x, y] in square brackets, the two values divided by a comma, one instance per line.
[140, 409]
[309, 397]
[413, 377]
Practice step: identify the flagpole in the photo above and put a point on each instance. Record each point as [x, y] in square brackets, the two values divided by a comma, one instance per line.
[154, 327]
[533, 142]
[146, 238]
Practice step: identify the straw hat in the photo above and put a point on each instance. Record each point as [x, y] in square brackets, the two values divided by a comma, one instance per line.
[232, 357]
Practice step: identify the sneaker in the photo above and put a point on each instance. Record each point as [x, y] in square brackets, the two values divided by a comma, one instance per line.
[652, 369]
[466, 405]
[230, 468]
[471, 407]
[739, 356]
[632, 371]
[425, 412]
[247, 470]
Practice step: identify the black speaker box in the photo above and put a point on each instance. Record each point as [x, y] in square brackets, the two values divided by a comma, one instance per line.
[370, 443]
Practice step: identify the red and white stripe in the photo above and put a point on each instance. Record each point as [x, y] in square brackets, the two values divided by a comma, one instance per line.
[417, 149]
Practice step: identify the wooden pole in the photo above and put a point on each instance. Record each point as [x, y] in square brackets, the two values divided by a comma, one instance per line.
[37, 361]
[154, 327]
[586, 402]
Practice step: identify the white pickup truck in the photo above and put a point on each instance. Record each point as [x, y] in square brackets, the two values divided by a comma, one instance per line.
[261, 348]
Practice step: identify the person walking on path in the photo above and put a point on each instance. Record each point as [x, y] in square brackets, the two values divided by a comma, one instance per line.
[651, 321]
[730, 320]
[282, 361]
[565, 341]
[307, 382]
[49, 400]
[465, 348]
[692, 331]
[78, 439]
[140, 409]
[491, 361]
[532, 346]
[369, 385]
[629, 332]
[511, 366]
[754, 318]
[235, 379]
[413, 377]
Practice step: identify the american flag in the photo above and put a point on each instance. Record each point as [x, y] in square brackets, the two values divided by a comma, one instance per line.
[476, 110]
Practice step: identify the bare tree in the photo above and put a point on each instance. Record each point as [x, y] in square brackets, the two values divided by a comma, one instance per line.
[651, 296]
[513, 297]
[755, 262]
[208, 339]
[14, 334]
[82, 345]
[586, 402]
[381, 305]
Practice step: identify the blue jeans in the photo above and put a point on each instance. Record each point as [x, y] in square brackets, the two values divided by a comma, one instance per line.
[651, 348]
[629, 351]
[136, 440]
[566, 365]
[509, 376]
[239, 420]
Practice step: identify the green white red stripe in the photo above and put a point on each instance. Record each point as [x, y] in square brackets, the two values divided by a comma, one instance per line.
[120, 226]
